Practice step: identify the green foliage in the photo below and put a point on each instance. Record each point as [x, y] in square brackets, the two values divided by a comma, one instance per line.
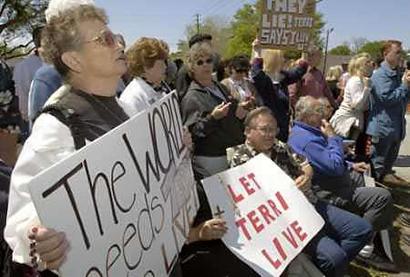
[236, 38]
[374, 48]
[216, 26]
[244, 30]
[245, 26]
[18, 18]
[318, 27]
[342, 50]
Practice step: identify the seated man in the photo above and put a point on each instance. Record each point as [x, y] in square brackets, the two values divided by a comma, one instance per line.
[344, 234]
[335, 180]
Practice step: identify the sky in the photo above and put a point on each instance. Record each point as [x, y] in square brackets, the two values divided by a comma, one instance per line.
[167, 19]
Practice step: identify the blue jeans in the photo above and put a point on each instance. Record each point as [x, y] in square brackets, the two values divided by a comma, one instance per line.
[384, 154]
[340, 240]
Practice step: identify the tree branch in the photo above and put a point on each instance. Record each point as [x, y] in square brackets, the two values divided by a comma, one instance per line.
[7, 24]
[3, 8]
[18, 55]
[18, 47]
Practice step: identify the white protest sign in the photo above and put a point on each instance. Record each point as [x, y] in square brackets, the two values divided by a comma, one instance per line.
[287, 24]
[125, 201]
[269, 220]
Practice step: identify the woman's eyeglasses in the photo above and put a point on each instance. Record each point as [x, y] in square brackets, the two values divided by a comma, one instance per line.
[207, 61]
[107, 38]
[242, 70]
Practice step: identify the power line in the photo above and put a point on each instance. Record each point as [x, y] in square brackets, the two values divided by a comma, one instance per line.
[216, 7]
[227, 6]
[210, 6]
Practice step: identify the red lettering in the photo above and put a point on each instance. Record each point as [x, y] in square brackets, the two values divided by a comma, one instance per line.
[252, 177]
[266, 214]
[276, 264]
[254, 219]
[236, 198]
[246, 185]
[298, 230]
[274, 208]
[279, 247]
[240, 223]
[290, 238]
[282, 201]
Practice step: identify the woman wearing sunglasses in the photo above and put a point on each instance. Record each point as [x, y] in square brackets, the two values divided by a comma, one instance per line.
[91, 61]
[212, 116]
[238, 83]
[216, 123]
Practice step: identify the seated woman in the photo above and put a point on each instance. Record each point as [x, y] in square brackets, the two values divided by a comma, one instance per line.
[213, 118]
[344, 233]
[146, 62]
[91, 61]
[238, 83]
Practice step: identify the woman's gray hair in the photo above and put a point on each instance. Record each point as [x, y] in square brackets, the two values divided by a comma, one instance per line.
[305, 107]
[197, 51]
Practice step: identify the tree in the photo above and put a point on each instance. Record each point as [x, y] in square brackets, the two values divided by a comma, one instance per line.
[244, 28]
[374, 48]
[357, 43]
[342, 50]
[18, 18]
[245, 25]
[217, 26]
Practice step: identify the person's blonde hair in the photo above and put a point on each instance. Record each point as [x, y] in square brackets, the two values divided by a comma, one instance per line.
[334, 73]
[144, 53]
[270, 60]
[62, 34]
[357, 63]
[196, 52]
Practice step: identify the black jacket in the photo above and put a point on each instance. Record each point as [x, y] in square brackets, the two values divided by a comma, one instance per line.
[211, 137]
[276, 96]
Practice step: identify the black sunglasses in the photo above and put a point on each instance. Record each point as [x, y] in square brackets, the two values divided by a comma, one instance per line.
[242, 70]
[207, 61]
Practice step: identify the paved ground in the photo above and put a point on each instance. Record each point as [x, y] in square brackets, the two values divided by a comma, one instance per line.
[403, 169]
[402, 197]
[403, 163]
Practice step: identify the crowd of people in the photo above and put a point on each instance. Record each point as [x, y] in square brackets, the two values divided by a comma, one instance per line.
[326, 133]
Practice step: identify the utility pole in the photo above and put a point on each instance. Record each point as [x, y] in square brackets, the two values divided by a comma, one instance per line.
[197, 22]
[328, 31]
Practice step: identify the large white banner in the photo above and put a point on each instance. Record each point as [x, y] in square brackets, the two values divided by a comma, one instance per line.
[269, 220]
[125, 201]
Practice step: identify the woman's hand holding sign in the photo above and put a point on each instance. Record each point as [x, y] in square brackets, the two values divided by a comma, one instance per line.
[51, 246]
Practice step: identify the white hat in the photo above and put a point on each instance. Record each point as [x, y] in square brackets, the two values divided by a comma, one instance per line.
[57, 6]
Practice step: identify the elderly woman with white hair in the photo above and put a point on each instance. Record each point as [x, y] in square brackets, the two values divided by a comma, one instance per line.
[91, 61]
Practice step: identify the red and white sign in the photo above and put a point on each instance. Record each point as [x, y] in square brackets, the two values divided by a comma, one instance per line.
[269, 219]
